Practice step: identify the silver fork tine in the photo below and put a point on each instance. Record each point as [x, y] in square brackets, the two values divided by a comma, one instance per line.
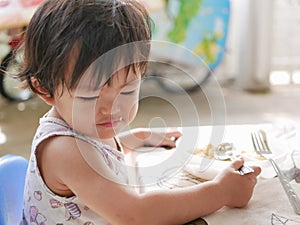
[263, 139]
[258, 144]
[254, 141]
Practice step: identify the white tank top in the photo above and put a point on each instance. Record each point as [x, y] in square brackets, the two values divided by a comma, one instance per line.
[41, 205]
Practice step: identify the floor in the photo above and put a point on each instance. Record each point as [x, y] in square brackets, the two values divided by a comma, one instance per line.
[210, 105]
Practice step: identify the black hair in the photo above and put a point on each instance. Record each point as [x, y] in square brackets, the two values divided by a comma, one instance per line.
[84, 30]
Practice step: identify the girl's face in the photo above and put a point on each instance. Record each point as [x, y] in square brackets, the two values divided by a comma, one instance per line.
[102, 113]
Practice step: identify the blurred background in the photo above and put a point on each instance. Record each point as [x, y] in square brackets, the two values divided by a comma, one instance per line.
[249, 68]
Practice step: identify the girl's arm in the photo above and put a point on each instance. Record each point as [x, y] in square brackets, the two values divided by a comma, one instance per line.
[80, 169]
[140, 137]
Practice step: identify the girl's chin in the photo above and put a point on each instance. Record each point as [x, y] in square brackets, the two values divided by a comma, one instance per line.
[103, 132]
[107, 133]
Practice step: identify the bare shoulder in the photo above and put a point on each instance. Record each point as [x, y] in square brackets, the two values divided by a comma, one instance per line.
[69, 165]
[55, 157]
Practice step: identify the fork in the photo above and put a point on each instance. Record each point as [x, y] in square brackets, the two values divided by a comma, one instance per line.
[261, 147]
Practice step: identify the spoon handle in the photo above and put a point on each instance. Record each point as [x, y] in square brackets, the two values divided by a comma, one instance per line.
[245, 170]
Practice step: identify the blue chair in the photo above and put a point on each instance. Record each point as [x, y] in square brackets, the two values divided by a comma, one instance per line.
[12, 180]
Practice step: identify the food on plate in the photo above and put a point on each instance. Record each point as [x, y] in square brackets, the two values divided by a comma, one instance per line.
[208, 152]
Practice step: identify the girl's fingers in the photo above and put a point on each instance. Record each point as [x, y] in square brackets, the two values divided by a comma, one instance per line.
[170, 139]
[237, 164]
[174, 135]
[166, 140]
[257, 170]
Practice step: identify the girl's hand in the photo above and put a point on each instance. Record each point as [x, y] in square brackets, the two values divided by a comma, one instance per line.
[237, 189]
[166, 140]
[145, 137]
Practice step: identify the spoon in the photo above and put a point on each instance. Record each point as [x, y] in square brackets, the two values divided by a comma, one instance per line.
[293, 173]
[225, 151]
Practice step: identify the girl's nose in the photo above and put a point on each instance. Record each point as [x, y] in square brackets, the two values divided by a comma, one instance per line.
[108, 102]
[108, 107]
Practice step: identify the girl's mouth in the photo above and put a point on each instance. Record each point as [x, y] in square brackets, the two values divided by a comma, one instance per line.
[109, 124]
[112, 123]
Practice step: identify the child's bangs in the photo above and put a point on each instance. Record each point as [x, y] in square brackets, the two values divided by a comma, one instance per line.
[132, 57]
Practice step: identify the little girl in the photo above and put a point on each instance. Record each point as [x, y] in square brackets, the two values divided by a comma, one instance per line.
[86, 59]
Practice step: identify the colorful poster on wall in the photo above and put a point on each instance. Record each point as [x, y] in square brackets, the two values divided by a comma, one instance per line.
[200, 26]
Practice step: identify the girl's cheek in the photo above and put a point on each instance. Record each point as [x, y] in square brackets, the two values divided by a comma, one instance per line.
[133, 112]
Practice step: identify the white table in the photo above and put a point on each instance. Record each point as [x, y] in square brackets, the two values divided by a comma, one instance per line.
[269, 204]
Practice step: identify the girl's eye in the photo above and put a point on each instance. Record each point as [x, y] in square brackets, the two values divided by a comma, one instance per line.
[89, 98]
[128, 92]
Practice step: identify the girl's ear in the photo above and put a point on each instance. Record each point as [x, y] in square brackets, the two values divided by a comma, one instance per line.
[45, 95]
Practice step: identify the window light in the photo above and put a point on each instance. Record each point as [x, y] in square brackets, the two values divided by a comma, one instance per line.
[280, 78]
